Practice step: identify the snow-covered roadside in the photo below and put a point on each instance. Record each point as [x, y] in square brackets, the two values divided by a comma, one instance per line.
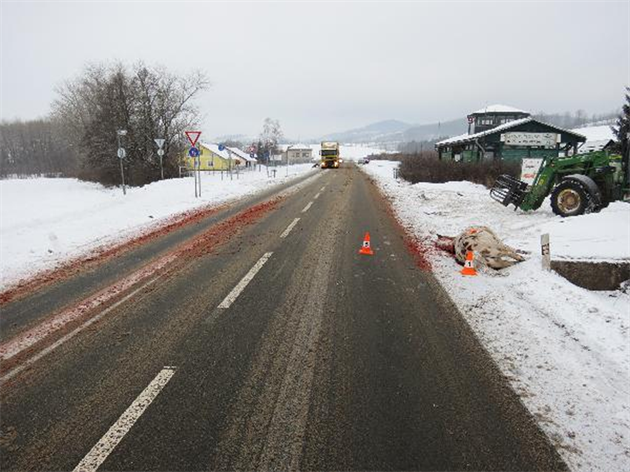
[46, 222]
[566, 350]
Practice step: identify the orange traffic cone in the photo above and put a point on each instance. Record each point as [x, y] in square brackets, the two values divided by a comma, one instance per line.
[469, 269]
[366, 246]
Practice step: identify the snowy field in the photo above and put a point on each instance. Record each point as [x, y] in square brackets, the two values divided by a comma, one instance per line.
[351, 152]
[566, 350]
[45, 222]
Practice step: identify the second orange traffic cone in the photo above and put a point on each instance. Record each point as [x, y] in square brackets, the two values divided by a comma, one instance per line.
[366, 249]
[469, 268]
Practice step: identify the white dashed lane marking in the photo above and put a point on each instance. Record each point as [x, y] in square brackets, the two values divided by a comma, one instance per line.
[286, 232]
[307, 207]
[236, 291]
[102, 449]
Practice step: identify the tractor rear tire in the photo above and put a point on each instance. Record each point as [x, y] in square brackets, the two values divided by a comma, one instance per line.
[571, 198]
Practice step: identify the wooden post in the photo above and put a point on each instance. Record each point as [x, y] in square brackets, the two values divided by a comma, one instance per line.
[545, 252]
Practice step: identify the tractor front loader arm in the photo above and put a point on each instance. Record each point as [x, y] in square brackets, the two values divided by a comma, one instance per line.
[540, 188]
[509, 190]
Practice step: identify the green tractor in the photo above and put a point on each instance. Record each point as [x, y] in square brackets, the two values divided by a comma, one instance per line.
[578, 184]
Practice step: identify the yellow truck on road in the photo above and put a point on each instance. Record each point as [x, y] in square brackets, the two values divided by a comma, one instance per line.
[329, 155]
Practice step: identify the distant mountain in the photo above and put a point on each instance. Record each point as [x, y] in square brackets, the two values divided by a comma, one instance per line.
[394, 131]
[433, 131]
[241, 138]
[389, 134]
[381, 131]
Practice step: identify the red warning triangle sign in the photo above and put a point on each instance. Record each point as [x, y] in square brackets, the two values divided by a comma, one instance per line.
[193, 136]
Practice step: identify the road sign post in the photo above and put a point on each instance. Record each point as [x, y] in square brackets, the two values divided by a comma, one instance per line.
[121, 155]
[193, 137]
[252, 164]
[222, 148]
[160, 152]
[194, 153]
[198, 159]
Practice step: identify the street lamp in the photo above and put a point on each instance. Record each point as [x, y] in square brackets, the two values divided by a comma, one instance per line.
[121, 155]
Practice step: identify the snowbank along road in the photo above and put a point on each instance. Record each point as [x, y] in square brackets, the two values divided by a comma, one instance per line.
[259, 339]
[565, 349]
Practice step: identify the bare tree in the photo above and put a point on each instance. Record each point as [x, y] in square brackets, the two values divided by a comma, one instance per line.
[35, 147]
[148, 102]
[573, 120]
[269, 138]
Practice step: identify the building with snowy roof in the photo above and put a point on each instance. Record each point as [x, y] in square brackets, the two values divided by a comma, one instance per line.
[211, 158]
[598, 138]
[242, 157]
[504, 132]
[299, 153]
[493, 116]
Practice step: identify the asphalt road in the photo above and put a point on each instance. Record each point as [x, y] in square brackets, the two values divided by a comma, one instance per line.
[265, 343]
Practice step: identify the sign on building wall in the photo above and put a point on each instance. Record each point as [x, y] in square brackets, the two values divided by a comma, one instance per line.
[530, 139]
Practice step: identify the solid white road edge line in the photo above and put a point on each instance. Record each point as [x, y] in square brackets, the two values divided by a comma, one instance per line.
[307, 207]
[57, 321]
[31, 360]
[236, 291]
[286, 232]
[120, 428]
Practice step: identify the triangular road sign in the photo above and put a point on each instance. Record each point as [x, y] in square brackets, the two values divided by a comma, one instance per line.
[159, 142]
[193, 136]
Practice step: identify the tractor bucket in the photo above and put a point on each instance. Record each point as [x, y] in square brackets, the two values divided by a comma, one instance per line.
[508, 190]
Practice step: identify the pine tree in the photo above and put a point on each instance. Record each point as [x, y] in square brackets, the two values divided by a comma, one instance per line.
[622, 127]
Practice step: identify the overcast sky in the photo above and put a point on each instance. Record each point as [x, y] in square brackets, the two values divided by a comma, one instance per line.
[324, 67]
